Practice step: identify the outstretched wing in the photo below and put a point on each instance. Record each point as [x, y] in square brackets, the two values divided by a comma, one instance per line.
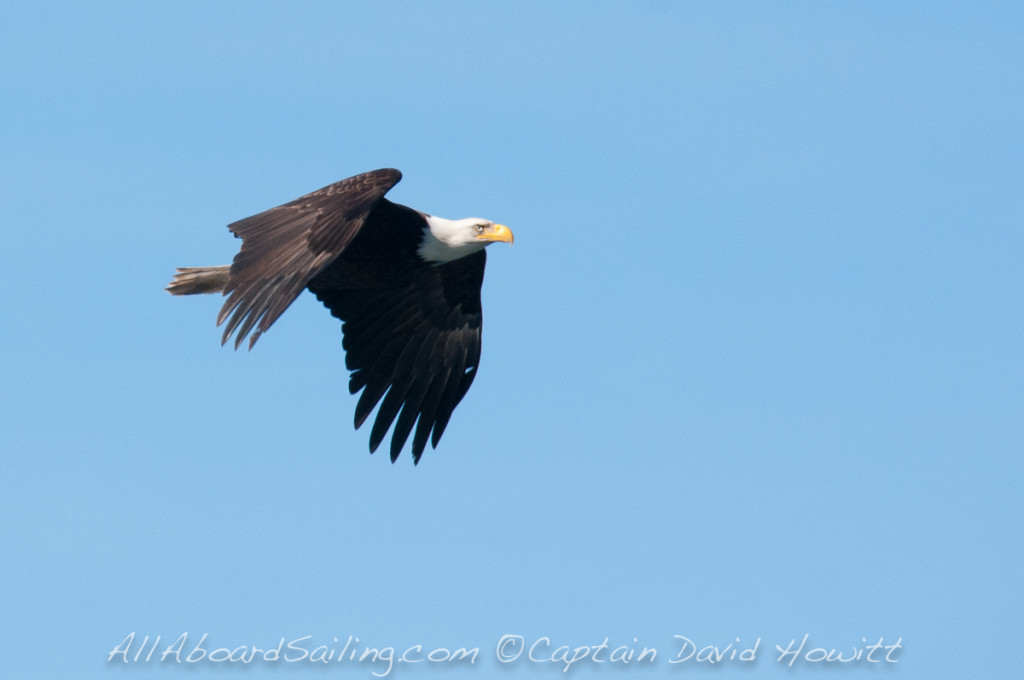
[284, 247]
[417, 340]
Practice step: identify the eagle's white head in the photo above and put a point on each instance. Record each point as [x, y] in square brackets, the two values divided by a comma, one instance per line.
[447, 240]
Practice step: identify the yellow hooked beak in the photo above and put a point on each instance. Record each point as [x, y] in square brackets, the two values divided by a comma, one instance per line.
[497, 232]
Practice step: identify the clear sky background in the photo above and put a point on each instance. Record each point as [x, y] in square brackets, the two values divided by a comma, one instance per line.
[753, 368]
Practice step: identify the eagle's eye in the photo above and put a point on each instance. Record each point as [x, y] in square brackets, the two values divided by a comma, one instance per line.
[478, 228]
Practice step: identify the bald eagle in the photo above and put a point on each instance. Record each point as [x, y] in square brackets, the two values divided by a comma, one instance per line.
[405, 284]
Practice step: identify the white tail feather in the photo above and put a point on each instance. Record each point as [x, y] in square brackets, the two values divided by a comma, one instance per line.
[194, 280]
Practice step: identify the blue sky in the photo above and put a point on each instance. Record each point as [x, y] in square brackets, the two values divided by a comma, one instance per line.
[752, 370]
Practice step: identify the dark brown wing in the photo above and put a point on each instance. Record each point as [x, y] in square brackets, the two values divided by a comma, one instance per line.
[412, 337]
[284, 247]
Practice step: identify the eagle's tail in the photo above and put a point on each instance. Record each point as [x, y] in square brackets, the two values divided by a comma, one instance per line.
[193, 280]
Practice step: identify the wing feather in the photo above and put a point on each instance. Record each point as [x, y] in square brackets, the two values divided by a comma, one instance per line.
[285, 247]
[414, 348]
[411, 410]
